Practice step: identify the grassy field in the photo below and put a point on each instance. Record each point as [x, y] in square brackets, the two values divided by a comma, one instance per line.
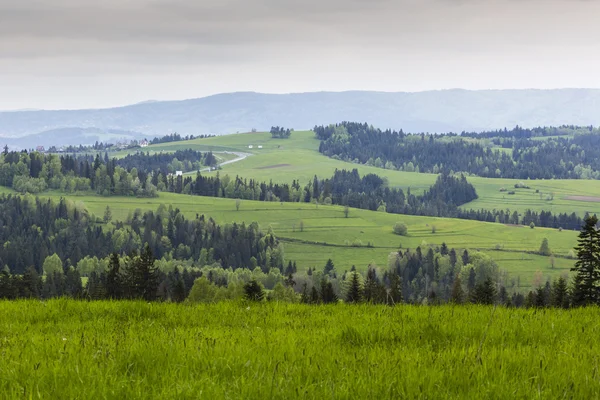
[327, 226]
[66, 349]
[283, 160]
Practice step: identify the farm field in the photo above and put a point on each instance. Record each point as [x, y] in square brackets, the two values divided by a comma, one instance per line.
[283, 160]
[334, 234]
[116, 350]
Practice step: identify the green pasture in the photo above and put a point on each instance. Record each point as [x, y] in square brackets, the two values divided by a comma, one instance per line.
[283, 160]
[365, 237]
[67, 349]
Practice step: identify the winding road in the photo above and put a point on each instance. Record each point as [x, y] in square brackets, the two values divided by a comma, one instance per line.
[239, 157]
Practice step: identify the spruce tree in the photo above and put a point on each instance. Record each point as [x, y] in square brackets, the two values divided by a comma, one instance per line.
[179, 291]
[394, 295]
[329, 267]
[327, 293]
[114, 280]
[587, 266]
[254, 291]
[560, 294]
[355, 291]
[485, 293]
[458, 295]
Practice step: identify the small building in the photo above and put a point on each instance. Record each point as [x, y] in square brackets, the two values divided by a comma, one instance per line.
[260, 147]
[250, 146]
[40, 149]
[178, 173]
[143, 143]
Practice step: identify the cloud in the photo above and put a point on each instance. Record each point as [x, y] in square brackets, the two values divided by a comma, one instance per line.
[280, 45]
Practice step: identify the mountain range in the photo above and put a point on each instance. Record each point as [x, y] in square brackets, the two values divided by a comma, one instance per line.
[432, 111]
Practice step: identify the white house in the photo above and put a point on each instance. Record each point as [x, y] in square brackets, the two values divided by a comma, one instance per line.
[143, 143]
[250, 147]
[178, 173]
[259, 146]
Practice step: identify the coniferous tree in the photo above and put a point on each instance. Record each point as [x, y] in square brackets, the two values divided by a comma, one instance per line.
[458, 295]
[329, 267]
[355, 290]
[327, 293]
[114, 280]
[560, 294]
[394, 295]
[253, 291]
[179, 291]
[587, 266]
[484, 293]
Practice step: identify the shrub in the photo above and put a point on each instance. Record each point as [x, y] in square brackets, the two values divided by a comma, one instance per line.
[400, 229]
[511, 192]
[532, 225]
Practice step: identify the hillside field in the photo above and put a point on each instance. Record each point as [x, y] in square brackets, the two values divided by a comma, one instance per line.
[121, 350]
[283, 160]
[334, 233]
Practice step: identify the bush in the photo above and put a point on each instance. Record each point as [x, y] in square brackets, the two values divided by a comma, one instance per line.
[400, 229]
[511, 192]
[532, 225]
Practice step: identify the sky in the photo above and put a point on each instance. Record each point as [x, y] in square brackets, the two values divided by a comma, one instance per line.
[69, 54]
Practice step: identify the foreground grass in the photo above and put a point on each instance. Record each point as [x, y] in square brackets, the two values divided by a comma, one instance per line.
[77, 350]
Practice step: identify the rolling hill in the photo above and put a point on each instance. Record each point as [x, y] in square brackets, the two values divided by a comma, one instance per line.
[433, 111]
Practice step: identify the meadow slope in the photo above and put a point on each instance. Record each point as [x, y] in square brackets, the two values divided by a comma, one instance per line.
[328, 234]
[283, 160]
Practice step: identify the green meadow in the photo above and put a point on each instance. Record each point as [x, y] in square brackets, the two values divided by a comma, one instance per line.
[67, 349]
[365, 237]
[283, 160]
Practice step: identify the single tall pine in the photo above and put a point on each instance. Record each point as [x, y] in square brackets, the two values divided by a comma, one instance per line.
[587, 265]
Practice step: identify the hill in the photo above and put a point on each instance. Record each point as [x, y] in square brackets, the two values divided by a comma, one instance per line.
[298, 158]
[70, 136]
[433, 111]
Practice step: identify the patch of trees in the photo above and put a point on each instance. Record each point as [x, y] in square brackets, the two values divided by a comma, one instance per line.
[165, 163]
[571, 157]
[278, 132]
[176, 137]
[44, 228]
[35, 172]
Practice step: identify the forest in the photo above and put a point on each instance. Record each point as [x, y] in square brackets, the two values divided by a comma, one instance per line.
[64, 229]
[562, 157]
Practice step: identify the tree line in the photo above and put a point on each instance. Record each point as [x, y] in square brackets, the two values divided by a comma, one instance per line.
[563, 157]
[45, 228]
[278, 132]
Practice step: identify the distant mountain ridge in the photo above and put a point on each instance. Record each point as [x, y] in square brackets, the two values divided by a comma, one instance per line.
[433, 111]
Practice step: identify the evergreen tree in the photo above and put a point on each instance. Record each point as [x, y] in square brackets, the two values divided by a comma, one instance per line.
[253, 291]
[315, 297]
[327, 293]
[560, 294]
[143, 276]
[31, 283]
[394, 295]
[355, 291]
[107, 215]
[465, 257]
[458, 295]
[179, 291]
[114, 280]
[587, 266]
[485, 293]
[329, 267]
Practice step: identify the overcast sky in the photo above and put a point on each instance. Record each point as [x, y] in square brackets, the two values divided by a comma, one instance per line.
[83, 53]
